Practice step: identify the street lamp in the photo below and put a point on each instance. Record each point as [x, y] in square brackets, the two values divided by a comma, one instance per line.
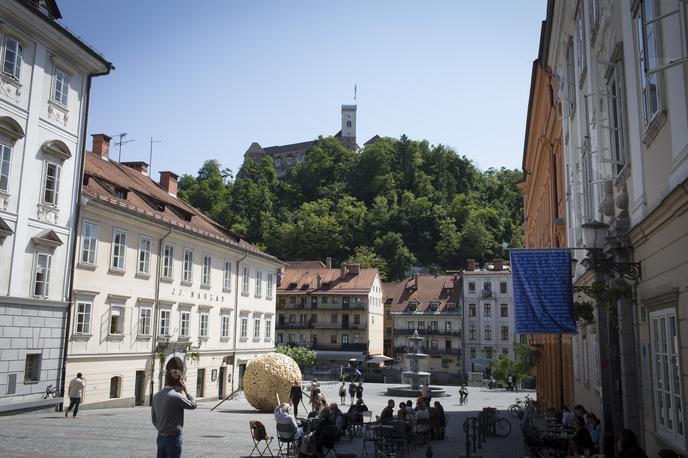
[594, 239]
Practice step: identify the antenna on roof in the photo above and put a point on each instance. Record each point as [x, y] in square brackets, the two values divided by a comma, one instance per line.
[150, 157]
[120, 143]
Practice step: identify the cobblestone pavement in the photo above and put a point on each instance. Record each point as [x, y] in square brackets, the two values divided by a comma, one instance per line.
[127, 432]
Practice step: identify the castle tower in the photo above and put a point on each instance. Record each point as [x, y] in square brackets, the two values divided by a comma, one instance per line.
[349, 126]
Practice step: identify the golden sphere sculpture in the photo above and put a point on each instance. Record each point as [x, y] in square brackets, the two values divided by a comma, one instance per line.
[268, 375]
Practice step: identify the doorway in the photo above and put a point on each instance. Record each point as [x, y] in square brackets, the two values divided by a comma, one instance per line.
[139, 388]
[221, 383]
[242, 369]
[200, 383]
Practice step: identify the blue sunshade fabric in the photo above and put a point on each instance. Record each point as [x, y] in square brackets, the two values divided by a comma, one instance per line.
[543, 295]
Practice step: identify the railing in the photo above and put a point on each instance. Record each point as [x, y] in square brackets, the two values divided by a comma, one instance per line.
[301, 325]
[427, 332]
[362, 347]
[486, 293]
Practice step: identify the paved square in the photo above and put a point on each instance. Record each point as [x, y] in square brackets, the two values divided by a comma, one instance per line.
[128, 432]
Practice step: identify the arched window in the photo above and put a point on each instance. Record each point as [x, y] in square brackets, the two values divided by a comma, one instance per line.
[348, 124]
[115, 387]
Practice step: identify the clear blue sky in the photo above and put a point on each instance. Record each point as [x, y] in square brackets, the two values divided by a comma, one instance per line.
[210, 77]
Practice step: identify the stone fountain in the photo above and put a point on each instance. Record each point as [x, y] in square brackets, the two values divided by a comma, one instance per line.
[414, 376]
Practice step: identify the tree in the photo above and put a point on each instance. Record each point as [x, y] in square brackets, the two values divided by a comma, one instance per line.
[303, 356]
[392, 249]
[368, 259]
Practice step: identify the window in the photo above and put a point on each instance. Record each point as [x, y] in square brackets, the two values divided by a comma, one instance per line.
[145, 321]
[323, 299]
[411, 325]
[187, 268]
[60, 86]
[647, 59]
[471, 332]
[292, 318]
[280, 337]
[504, 311]
[333, 318]
[184, 323]
[119, 246]
[205, 274]
[666, 376]
[259, 283]
[167, 260]
[268, 328]
[51, 183]
[116, 320]
[345, 338]
[145, 246]
[224, 326]
[5, 156]
[357, 337]
[357, 319]
[445, 363]
[502, 287]
[89, 237]
[32, 368]
[505, 332]
[488, 332]
[581, 59]
[487, 310]
[83, 318]
[433, 345]
[472, 352]
[41, 275]
[115, 387]
[256, 328]
[487, 286]
[13, 58]
[165, 322]
[448, 345]
[302, 338]
[203, 325]
[421, 325]
[447, 326]
[471, 287]
[289, 159]
[570, 79]
[616, 99]
[291, 338]
[227, 276]
[488, 352]
[333, 338]
[244, 327]
[472, 312]
[268, 291]
[244, 281]
[505, 351]
[278, 162]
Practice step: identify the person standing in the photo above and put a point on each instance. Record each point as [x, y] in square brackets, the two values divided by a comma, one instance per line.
[352, 390]
[75, 392]
[314, 388]
[167, 414]
[359, 391]
[295, 395]
[342, 393]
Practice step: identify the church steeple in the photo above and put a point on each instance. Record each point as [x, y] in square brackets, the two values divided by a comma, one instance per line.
[349, 126]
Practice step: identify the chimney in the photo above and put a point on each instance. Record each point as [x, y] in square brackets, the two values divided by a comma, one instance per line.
[498, 264]
[470, 264]
[168, 182]
[280, 273]
[415, 282]
[318, 281]
[139, 166]
[354, 269]
[328, 262]
[343, 271]
[101, 145]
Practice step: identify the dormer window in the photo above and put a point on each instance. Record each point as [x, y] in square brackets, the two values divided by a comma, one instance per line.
[434, 306]
[121, 193]
[412, 306]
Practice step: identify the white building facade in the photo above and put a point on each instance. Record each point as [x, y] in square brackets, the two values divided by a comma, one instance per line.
[155, 281]
[45, 78]
[489, 324]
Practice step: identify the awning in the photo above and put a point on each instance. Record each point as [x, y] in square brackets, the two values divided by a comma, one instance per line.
[339, 356]
[482, 361]
[377, 359]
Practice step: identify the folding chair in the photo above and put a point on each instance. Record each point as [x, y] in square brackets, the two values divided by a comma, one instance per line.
[258, 434]
[423, 429]
[286, 434]
[328, 437]
[369, 435]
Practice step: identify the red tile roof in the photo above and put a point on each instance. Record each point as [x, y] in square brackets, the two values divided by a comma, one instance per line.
[145, 198]
[444, 289]
[302, 281]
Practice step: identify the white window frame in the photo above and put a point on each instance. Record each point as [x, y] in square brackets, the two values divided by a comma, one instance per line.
[203, 325]
[167, 270]
[227, 276]
[581, 51]
[184, 324]
[256, 328]
[5, 166]
[60, 87]
[36, 371]
[164, 326]
[245, 280]
[89, 243]
[225, 325]
[144, 255]
[187, 266]
[121, 249]
[666, 360]
[207, 270]
[259, 284]
[646, 76]
[244, 327]
[119, 331]
[268, 328]
[616, 107]
[82, 317]
[41, 268]
[145, 320]
[16, 62]
[471, 287]
[54, 198]
[270, 286]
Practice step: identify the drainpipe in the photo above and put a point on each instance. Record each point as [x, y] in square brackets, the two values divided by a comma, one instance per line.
[158, 268]
[237, 323]
[77, 212]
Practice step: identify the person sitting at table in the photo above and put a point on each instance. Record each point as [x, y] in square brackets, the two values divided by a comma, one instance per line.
[579, 411]
[401, 413]
[410, 413]
[358, 407]
[628, 445]
[388, 412]
[282, 416]
[581, 440]
[567, 417]
[594, 428]
[436, 422]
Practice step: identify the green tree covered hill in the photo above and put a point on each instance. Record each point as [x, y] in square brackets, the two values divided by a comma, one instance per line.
[396, 204]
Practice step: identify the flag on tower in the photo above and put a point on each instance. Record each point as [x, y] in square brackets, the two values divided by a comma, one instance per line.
[355, 91]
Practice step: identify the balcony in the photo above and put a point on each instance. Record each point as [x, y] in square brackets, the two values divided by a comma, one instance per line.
[363, 347]
[301, 325]
[486, 294]
[326, 325]
[427, 332]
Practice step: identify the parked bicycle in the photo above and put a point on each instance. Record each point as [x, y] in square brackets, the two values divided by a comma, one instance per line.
[500, 427]
[526, 405]
[51, 392]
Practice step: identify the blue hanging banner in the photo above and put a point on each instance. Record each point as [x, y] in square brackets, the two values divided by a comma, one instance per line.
[543, 294]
